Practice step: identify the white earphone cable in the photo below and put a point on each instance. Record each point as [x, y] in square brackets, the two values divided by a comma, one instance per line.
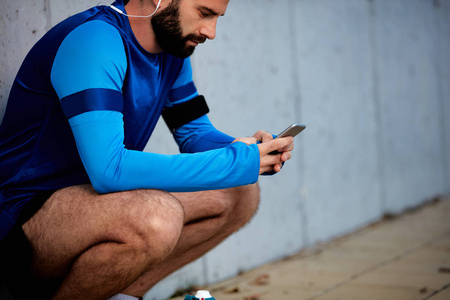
[132, 16]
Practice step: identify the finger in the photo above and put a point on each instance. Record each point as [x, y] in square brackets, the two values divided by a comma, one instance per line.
[277, 168]
[266, 169]
[289, 147]
[285, 156]
[270, 159]
[276, 144]
[263, 136]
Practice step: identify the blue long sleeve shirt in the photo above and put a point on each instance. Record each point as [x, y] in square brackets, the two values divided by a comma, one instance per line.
[82, 108]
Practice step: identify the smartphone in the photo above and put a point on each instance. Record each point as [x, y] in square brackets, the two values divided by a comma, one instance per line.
[292, 130]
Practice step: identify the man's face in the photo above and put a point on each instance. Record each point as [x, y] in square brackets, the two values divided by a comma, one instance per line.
[184, 24]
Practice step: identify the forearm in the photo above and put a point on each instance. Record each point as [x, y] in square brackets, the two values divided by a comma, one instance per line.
[200, 135]
[111, 167]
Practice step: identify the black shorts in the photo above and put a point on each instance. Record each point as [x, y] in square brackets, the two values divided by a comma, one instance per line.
[15, 258]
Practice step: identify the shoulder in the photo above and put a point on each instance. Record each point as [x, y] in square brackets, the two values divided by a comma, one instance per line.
[91, 56]
[94, 36]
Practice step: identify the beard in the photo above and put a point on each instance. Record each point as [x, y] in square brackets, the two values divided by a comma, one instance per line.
[169, 34]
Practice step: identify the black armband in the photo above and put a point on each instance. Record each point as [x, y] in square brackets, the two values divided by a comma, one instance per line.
[183, 113]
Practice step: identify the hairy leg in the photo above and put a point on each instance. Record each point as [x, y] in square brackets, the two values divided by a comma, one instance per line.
[210, 217]
[97, 245]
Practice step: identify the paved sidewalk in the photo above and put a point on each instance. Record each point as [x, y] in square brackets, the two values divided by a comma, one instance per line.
[400, 258]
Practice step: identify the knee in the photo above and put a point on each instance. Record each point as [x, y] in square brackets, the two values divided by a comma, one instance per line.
[240, 205]
[156, 224]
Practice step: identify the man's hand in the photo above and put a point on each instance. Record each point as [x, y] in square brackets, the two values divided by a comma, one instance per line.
[261, 136]
[270, 162]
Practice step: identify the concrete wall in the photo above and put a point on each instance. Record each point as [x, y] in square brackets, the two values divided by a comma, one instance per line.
[370, 79]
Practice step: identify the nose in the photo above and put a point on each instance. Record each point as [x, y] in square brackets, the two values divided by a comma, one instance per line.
[209, 29]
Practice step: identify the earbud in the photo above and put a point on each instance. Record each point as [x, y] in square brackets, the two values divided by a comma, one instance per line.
[133, 16]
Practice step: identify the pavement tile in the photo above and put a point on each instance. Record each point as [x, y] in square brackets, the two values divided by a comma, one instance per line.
[372, 292]
[403, 258]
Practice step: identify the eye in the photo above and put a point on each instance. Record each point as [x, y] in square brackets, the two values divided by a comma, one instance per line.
[204, 13]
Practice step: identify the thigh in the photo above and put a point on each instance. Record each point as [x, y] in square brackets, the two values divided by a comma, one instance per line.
[76, 218]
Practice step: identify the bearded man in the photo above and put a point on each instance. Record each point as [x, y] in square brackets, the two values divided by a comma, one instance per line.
[84, 212]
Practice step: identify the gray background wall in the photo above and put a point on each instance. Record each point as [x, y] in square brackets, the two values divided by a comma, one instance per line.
[370, 79]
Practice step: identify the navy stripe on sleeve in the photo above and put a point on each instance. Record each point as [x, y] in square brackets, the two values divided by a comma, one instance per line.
[90, 100]
[182, 92]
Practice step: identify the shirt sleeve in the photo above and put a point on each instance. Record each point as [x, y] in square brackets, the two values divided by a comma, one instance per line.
[91, 59]
[88, 74]
[198, 135]
[111, 167]
[184, 88]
